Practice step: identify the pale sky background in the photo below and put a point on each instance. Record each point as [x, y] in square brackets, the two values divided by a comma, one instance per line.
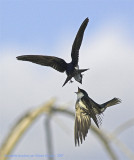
[49, 28]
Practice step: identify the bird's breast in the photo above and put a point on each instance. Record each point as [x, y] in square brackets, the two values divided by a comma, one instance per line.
[81, 105]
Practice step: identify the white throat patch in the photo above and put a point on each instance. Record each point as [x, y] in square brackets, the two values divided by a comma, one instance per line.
[80, 95]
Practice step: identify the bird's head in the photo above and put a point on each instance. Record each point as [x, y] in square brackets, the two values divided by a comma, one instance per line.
[80, 93]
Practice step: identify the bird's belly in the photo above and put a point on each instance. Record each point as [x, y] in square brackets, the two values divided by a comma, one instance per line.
[82, 105]
[77, 77]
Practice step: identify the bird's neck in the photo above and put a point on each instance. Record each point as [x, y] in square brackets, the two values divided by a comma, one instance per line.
[79, 95]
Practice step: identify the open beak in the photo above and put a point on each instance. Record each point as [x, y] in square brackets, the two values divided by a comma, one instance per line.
[78, 91]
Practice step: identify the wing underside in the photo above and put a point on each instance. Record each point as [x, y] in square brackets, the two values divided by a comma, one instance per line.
[77, 42]
[82, 124]
[92, 110]
[51, 61]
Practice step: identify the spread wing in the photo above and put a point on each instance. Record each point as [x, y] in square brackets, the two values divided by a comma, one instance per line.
[82, 124]
[92, 110]
[77, 42]
[54, 62]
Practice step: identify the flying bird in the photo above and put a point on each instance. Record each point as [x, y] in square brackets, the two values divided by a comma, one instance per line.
[86, 109]
[72, 68]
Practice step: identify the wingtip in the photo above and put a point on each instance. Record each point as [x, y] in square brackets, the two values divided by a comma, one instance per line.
[87, 19]
[63, 85]
[17, 57]
[77, 144]
[97, 124]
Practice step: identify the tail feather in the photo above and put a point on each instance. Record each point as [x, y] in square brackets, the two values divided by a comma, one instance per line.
[112, 102]
[82, 70]
[67, 79]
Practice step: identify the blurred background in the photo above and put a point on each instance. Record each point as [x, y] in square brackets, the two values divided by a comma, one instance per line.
[48, 28]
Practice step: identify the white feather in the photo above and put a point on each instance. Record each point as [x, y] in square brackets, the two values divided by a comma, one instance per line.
[79, 95]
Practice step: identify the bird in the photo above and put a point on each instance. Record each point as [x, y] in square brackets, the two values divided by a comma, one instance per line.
[85, 109]
[72, 69]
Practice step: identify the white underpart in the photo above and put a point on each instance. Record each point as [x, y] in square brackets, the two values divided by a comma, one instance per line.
[79, 95]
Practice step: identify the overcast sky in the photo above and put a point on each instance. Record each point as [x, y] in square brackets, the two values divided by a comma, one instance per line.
[49, 28]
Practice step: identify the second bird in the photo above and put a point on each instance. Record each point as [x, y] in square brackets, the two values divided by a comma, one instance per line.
[86, 109]
[72, 68]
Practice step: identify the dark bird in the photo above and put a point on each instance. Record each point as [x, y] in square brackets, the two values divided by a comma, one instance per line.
[72, 68]
[86, 109]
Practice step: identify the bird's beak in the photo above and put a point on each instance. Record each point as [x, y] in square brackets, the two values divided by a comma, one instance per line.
[78, 91]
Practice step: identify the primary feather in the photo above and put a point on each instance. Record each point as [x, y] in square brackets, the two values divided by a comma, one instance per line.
[51, 61]
[77, 42]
